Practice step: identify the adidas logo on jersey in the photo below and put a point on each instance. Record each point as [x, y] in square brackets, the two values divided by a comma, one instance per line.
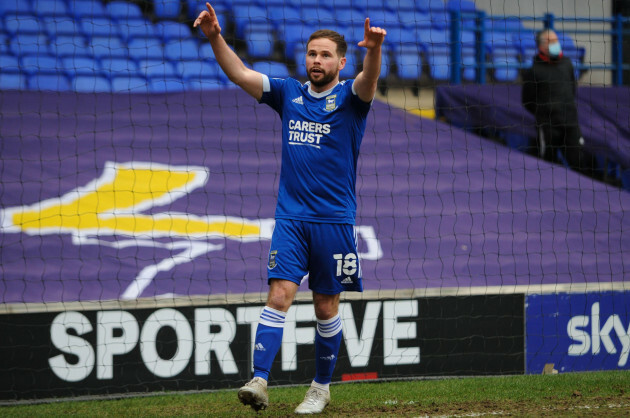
[260, 347]
[298, 100]
[347, 280]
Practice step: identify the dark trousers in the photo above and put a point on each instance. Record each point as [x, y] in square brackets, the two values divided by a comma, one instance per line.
[565, 144]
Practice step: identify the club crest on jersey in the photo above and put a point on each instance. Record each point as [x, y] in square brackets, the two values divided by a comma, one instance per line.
[272, 259]
[330, 103]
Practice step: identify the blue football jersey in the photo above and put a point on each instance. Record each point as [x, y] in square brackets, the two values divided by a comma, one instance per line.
[321, 137]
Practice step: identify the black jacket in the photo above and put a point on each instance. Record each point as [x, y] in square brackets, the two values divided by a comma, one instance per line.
[549, 89]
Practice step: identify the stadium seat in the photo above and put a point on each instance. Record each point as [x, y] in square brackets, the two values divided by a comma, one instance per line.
[104, 46]
[162, 85]
[157, 68]
[400, 36]
[12, 81]
[121, 10]
[323, 17]
[506, 62]
[91, 84]
[179, 50]
[25, 24]
[99, 27]
[430, 38]
[129, 84]
[461, 5]
[349, 17]
[69, 45]
[10, 63]
[60, 26]
[46, 8]
[195, 70]
[167, 9]
[408, 63]
[77, 65]
[172, 31]
[429, 5]
[13, 7]
[29, 44]
[246, 15]
[49, 82]
[136, 28]
[145, 48]
[40, 64]
[350, 70]
[295, 35]
[260, 40]
[439, 62]
[278, 15]
[206, 53]
[119, 66]
[86, 8]
[273, 69]
[206, 83]
[4, 44]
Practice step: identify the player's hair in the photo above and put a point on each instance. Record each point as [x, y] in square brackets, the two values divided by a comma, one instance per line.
[342, 45]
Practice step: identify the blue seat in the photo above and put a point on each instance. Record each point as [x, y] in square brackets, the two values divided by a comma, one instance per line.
[205, 83]
[162, 85]
[77, 65]
[206, 53]
[400, 36]
[278, 15]
[40, 64]
[45, 8]
[145, 48]
[431, 38]
[129, 84]
[13, 7]
[172, 31]
[61, 26]
[350, 70]
[167, 9]
[408, 63]
[322, 17]
[157, 68]
[49, 82]
[86, 8]
[260, 40]
[91, 84]
[136, 28]
[179, 50]
[295, 34]
[461, 5]
[439, 62]
[273, 69]
[119, 67]
[69, 45]
[246, 15]
[12, 81]
[349, 17]
[29, 44]
[99, 27]
[386, 64]
[222, 11]
[121, 10]
[24, 24]
[194, 70]
[10, 63]
[506, 62]
[104, 46]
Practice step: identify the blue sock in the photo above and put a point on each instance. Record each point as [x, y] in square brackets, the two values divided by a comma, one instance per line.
[327, 342]
[268, 340]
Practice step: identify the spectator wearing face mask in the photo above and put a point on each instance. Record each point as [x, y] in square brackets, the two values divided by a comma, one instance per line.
[549, 90]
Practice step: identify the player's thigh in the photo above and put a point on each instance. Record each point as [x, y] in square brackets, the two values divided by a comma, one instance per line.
[288, 253]
[334, 265]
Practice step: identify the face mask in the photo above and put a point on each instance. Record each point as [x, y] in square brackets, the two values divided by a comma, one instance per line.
[555, 49]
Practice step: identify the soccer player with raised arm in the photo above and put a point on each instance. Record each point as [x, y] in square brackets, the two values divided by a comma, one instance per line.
[323, 122]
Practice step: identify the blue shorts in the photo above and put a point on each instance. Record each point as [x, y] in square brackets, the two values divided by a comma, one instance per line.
[325, 253]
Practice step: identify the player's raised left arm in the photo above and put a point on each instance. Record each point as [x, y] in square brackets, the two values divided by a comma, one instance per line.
[366, 81]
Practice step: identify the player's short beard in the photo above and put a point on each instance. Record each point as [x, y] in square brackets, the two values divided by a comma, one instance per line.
[327, 78]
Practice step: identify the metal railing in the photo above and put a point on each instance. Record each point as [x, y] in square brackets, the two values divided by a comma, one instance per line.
[616, 31]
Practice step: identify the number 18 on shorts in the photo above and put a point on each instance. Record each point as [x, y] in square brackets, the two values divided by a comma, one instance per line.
[325, 253]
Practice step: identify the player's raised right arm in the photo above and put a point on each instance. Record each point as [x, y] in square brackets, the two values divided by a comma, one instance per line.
[246, 78]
